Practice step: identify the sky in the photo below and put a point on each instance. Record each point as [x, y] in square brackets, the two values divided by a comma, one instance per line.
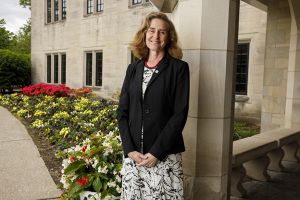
[14, 14]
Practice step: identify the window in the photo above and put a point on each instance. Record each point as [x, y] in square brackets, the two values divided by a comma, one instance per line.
[135, 2]
[63, 69]
[48, 11]
[93, 68]
[64, 9]
[56, 68]
[242, 69]
[48, 68]
[55, 10]
[90, 6]
[100, 5]
[89, 69]
[99, 69]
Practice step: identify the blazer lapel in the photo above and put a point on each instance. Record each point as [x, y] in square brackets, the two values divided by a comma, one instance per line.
[161, 67]
[139, 76]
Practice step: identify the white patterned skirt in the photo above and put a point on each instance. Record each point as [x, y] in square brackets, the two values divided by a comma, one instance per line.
[162, 182]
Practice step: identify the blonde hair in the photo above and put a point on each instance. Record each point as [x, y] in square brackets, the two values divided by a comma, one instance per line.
[138, 45]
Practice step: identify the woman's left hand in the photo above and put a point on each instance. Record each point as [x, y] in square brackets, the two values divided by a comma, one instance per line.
[150, 161]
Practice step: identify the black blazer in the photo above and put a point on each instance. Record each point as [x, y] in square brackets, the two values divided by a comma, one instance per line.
[162, 112]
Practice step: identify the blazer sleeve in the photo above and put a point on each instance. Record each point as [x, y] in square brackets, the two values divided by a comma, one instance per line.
[167, 138]
[123, 115]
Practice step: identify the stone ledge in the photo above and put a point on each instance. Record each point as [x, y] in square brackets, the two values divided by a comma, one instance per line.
[251, 148]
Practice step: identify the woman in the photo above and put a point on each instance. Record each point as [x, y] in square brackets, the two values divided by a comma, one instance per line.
[152, 112]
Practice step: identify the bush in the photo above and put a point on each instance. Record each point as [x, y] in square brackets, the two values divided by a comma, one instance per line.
[46, 89]
[14, 70]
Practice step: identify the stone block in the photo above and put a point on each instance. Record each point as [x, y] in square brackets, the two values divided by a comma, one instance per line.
[213, 147]
[190, 134]
[193, 58]
[215, 96]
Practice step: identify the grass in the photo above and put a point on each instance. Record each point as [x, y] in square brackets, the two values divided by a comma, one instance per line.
[244, 129]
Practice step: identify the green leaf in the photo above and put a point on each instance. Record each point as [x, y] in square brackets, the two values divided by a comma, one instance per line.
[97, 184]
[74, 189]
[73, 167]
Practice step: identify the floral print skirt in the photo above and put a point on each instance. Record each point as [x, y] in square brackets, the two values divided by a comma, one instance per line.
[162, 182]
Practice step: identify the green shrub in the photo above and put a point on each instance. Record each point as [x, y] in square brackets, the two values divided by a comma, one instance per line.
[244, 129]
[14, 70]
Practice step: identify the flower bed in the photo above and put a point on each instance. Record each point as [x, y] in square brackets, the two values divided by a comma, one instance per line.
[84, 130]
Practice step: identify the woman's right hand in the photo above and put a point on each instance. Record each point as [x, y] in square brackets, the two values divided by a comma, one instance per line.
[137, 157]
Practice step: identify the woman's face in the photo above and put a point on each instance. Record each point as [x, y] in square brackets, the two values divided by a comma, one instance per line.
[157, 35]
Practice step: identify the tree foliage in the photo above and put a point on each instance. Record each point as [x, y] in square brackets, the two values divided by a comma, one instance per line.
[25, 3]
[22, 41]
[14, 70]
[6, 36]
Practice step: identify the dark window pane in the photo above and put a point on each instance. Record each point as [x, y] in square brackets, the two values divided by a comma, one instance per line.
[134, 2]
[63, 69]
[55, 68]
[100, 5]
[48, 11]
[64, 9]
[242, 68]
[89, 70]
[90, 6]
[55, 10]
[48, 68]
[99, 62]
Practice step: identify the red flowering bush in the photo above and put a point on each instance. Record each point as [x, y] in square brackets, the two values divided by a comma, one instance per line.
[82, 92]
[46, 89]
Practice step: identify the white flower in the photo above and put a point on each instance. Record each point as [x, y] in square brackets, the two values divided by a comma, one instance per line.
[63, 180]
[65, 163]
[118, 178]
[86, 141]
[103, 170]
[119, 190]
[111, 184]
[77, 148]
[95, 163]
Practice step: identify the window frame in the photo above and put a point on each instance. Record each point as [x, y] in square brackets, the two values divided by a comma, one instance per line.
[56, 10]
[99, 6]
[245, 74]
[51, 75]
[89, 7]
[93, 73]
[135, 3]
[48, 11]
[63, 68]
[63, 9]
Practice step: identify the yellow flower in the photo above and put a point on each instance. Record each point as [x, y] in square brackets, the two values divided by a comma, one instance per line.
[88, 112]
[39, 113]
[64, 131]
[61, 115]
[22, 112]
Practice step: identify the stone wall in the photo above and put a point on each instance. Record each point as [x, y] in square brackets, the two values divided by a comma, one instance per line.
[252, 30]
[276, 64]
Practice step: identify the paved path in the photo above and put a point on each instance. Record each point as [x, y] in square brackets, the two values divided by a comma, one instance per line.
[23, 173]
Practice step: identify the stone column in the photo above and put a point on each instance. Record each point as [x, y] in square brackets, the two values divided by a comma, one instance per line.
[208, 134]
[292, 116]
[276, 65]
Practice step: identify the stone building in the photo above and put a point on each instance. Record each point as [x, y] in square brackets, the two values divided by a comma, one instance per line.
[85, 43]
[65, 49]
